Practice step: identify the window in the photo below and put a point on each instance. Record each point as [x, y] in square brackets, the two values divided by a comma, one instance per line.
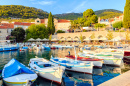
[37, 21]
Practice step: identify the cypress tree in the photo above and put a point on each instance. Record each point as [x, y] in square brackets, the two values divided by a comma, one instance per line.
[50, 25]
[126, 20]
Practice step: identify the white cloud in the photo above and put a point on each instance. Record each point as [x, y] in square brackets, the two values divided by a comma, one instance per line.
[79, 7]
[45, 2]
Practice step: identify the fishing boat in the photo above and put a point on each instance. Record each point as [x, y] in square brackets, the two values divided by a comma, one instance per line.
[72, 65]
[107, 59]
[15, 73]
[96, 62]
[47, 69]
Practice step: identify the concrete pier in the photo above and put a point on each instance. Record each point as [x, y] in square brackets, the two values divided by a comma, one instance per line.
[121, 80]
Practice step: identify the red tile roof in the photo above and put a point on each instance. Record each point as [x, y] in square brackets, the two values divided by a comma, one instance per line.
[9, 25]
[3, 27]
[23, 23]
[63, 21]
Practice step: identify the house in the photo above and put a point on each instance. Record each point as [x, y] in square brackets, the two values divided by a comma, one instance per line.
[103, 21]
[24, 25]
[5, 30]
[60, 24]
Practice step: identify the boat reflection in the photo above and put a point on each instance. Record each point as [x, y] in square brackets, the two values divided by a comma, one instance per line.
[77, 79]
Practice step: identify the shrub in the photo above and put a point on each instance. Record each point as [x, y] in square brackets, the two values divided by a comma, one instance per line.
[60, 31]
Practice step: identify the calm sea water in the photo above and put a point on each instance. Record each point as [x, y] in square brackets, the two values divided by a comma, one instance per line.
[70, 78]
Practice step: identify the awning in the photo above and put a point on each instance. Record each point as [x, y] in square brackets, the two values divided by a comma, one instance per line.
[38, 39]
[45, 39]
[87, 39]
[31, 39]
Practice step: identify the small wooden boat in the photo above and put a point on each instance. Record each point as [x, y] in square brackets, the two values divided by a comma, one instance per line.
[47, 69]
[96, 62]
[72, 65]
[16, 74]
[107, 59]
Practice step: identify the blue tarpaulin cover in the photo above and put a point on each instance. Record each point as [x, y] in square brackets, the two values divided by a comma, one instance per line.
[13, 67]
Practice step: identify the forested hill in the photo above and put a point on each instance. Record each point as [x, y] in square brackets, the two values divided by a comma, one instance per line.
[106, 13]
[18, 11]
[69, 16]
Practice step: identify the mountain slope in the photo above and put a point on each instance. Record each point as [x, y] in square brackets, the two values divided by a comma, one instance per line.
[100, 13]
[19, 11]
[69, 16]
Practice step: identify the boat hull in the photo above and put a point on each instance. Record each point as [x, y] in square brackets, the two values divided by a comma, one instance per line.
[51, 77]
[96, 62]
[20, 80]
[87, 69]
[81, 70]
[112, 62]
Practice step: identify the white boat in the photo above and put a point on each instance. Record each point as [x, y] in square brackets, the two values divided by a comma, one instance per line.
[107, 58]
[96, 62]
[72, 65]
[47, 69]
[16, 74]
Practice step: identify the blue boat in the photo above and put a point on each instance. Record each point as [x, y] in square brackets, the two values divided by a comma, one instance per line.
[25, 48]
[1, 49]
[14, 48]
[7, 49]
[15, 73]
[47, 48]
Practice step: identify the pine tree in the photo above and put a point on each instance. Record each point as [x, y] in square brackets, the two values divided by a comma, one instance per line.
[50, 25]
[126, 20]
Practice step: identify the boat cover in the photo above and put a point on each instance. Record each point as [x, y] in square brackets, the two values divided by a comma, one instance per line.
[13, 67]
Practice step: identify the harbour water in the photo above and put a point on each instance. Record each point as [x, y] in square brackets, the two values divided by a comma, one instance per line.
[70, 78]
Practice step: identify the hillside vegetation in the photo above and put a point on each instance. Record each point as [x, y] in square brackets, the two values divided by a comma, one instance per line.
[69, 16]
[18, 11]
[106, 13]
[98, 12]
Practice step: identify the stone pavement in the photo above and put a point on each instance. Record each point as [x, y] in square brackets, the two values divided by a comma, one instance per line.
[121, 80]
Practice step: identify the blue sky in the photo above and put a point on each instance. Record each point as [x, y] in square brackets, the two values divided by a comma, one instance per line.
[67, 6]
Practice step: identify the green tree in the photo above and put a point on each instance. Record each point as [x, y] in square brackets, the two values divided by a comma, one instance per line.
[50, 25]
[127, 34]
[92, 36]
[81, 21]
[74, 24]
[50, 37]
[98, 26]
[87, 23]
[118, 25]
[88, 13]
[94, 19]
[19, 33]
[81, 38]
[126, 19]
[109, 35]
[37, 31]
